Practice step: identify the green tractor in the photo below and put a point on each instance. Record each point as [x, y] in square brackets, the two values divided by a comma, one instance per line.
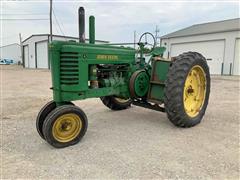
[120, 76]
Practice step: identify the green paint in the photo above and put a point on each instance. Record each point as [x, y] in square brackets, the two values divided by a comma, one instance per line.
[158, 51]
[92, 29]
[74, 65]
[92, 72]
[158, 78]
[141, 84]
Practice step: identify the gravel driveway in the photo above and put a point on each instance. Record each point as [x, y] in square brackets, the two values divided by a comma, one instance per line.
[136, 143]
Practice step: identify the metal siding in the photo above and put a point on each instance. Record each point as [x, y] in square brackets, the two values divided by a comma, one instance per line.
[42, 54]
[207, 28]
[213, 51]
[26, 56]
[11, 51]
[32, 49]
[236, 64]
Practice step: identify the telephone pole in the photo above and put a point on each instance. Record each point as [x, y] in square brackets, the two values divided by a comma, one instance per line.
[156, 34]
[21, 48]
[135, 39]
[50, 20]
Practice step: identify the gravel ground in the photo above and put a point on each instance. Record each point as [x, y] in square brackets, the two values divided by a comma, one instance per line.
[136, 143]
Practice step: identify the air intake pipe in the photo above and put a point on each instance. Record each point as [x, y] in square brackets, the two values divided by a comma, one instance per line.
[92, 30]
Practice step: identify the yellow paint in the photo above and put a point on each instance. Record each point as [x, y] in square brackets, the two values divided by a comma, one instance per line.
[194, 91]
[121, 100]
[107, 57]
[67, 127]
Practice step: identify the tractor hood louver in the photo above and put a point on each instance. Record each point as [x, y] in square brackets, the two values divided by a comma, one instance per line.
[69, 70]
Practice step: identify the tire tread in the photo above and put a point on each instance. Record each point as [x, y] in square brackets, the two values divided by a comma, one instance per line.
[173, 90]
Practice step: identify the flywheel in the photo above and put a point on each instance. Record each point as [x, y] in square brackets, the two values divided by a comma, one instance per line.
[139, 83]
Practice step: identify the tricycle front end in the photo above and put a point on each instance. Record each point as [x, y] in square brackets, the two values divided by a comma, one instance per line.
[120, 76]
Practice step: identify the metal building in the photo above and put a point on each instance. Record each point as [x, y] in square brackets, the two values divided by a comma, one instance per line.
[35, 49]
[218, 41]
[11, 51]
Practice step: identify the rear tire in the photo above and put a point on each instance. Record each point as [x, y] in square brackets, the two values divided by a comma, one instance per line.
[115, 103]
[185, 98]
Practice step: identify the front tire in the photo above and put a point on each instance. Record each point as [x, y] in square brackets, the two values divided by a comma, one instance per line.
[46, 109]
[65, 126]
[43, 113]
[187, 89]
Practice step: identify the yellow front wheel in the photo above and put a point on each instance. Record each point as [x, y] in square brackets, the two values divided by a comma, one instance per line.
[187, 89]
[43, 113]
[65, 126]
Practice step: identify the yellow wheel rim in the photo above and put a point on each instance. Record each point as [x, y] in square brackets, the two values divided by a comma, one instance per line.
[67, 127]
[121, 100]
[194, 91]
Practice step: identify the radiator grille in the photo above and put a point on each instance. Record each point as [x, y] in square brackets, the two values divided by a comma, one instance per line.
[69, 74]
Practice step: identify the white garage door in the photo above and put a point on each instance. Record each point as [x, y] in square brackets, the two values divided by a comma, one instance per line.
[42, 54]
[236, 64]
[213, 51]
[26, 56]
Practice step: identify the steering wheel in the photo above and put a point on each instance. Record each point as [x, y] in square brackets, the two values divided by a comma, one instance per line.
[148, 45]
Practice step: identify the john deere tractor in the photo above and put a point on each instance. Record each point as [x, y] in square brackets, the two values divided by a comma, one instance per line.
[120, 76]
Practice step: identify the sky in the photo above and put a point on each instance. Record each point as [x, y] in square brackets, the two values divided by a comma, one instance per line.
[116, 20]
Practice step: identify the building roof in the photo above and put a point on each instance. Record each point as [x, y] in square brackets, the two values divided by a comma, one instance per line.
[207, 28]
[16, 44]
[54, 35]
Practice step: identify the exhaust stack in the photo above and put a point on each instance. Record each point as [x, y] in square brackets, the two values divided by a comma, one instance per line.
[81, 24]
